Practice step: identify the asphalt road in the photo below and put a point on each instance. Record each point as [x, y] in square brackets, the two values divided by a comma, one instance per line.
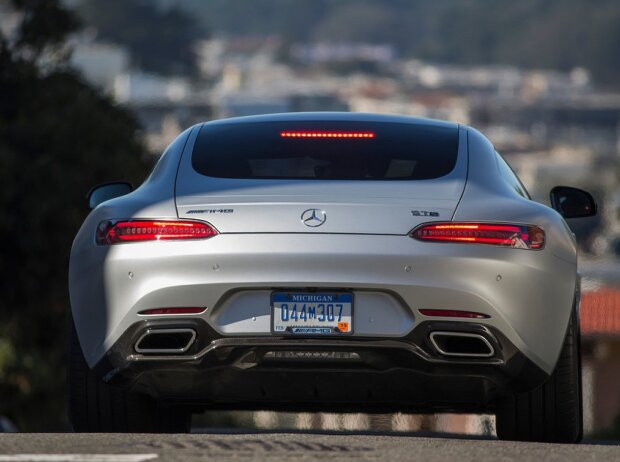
[297, 446]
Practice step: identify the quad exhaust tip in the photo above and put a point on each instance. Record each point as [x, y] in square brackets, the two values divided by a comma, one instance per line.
[462, 344]
[165, 341]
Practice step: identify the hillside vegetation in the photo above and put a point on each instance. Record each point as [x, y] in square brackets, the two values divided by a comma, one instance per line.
[531, 33]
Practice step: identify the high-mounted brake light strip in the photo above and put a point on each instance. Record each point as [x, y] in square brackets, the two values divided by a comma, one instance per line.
[313, 134]
[506, 235]
[174, 311]
[111, 232]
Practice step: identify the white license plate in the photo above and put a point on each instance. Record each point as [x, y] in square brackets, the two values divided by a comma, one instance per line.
[308, 313]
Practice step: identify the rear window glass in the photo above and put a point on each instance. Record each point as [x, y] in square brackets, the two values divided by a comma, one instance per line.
[325, 150]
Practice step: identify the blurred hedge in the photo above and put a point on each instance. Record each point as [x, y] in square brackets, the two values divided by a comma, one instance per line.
[58, 138]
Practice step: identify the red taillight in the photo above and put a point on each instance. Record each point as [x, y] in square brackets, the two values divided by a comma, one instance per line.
[453, 314]
[518, 236]
[110, 232]
[314, 134]
[160, 311]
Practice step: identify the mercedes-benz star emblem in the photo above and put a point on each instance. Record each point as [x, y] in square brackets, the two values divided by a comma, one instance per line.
[313, 217]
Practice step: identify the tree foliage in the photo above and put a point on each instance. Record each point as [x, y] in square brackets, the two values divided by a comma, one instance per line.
[158, 40]
[58, 137]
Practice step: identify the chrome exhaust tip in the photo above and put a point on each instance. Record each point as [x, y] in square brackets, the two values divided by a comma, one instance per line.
[461, 344]
[165, 341]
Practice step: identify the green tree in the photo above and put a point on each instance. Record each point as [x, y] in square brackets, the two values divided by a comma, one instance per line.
[58, 137]
[159, 40]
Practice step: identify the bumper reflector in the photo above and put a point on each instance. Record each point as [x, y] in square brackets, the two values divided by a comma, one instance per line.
[453, 314]
[160, 311]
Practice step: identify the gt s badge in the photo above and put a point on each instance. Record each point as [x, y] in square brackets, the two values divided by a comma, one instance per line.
[424, 213]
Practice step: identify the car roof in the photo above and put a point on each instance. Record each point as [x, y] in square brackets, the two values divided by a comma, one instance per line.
[336, 116]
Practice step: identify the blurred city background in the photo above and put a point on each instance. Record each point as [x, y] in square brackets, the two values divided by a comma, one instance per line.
[94, 90]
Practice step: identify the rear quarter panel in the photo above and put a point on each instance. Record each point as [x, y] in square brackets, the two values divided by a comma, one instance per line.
[87, 270]
[539, 313]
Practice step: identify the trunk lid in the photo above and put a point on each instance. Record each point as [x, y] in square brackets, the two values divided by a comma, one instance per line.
[351, 174]
[350, 208]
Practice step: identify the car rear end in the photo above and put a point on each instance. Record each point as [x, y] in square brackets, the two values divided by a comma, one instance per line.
[314, 264]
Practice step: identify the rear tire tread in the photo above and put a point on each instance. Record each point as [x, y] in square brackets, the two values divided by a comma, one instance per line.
[95, 406]
[553, 411]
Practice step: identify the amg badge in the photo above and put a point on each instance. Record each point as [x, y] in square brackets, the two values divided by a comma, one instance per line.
[210, 211]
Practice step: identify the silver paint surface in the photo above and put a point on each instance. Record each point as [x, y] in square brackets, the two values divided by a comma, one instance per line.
[363, 246]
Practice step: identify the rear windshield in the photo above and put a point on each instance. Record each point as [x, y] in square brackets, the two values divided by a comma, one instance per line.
[325, 150]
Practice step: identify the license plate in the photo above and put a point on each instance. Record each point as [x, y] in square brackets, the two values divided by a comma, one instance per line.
[303, 313]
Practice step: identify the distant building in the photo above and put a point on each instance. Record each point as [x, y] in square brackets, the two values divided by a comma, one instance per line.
[142, 87]
[163, 121]
[318, 53]
[591, 120]
[600, 349]
[316, 102]
[100, 63]
[244, 104]
[239, 105]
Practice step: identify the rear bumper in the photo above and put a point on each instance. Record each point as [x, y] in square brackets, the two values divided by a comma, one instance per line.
[305, 374]
[526, 295]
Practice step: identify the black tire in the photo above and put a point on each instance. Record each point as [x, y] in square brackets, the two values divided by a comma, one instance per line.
[97, 407]
[553, 411]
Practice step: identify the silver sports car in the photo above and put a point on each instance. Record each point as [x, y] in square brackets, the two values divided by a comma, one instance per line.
[327, 262]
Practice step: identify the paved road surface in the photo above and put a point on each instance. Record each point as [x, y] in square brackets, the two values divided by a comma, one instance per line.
[296, 446]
